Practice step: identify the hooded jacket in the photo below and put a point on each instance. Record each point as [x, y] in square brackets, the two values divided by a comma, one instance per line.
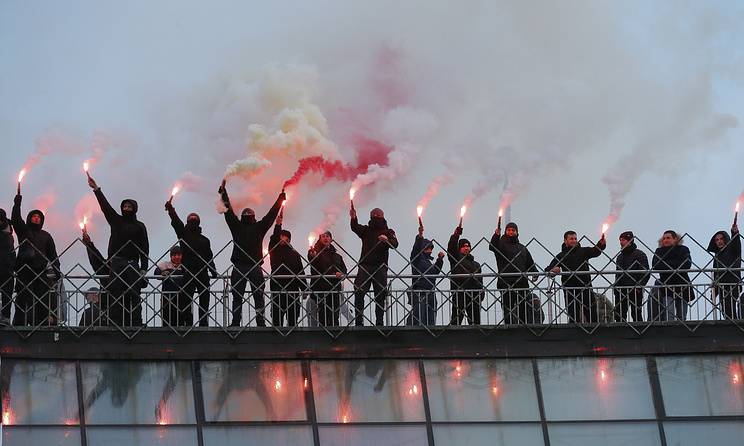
[512, 257]
[423, 266]
[575, 261]
[631, 258]
[673, 258]
[128, 238]
[7, 251]
[285, 261]
[248, 236]
[374, 252]
[728, 257]
[35, 246]
[326, 262]
[197, 250]
[462, 264]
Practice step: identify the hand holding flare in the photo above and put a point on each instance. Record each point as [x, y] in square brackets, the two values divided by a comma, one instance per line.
[21, 174]
[419, 212]
[463, 210]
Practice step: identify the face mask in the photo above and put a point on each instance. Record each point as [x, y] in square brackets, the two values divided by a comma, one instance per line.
[128, 213]
[192, 224]
[377, 222]
[247, 219]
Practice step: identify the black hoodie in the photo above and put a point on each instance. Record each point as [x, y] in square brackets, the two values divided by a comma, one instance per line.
[728, 257]
[7, 251]
[631, 258]
[35, 246]
[197, 250]
[673, 258]
[462, 264]
[326, 262]
[285, 261]
[576, 260]
[248, 236]
[512, 257]
[128, 235]
[374, 252]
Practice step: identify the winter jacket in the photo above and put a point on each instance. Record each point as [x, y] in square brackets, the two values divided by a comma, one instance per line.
[325, 262]
[631, 258]
[728, 257]
[576, 260]
[374, 252]
[285, 261]
[460, 264]
[35, 246]
[172, 276]
[196, 248]
[512, 257]
[673, 258]
[7, 251]
[422, 266]
[248, 236]
[128, 235]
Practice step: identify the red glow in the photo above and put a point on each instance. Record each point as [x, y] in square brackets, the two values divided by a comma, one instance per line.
[463, 210]
[605, 227]
[7, 418]
[86, 166]
[83, 224]
[176, 189]
[419, 210]
[311, 239]
[413, 390]
[21, 174]
[352, 193]
[458, 371]
[501, 213]
[736, 373]
[736, 378]
[277, 385]
[306, 383]
[495, 390]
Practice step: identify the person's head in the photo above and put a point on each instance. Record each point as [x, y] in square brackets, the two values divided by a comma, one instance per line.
[248, 216]
[376, 213]
[570, 239]
[176, 255]
[669, 238]
[464, 246]
[35, 219]
[626, 238]
[512, 230]
[720, 240]
[326, 238]
[128, 207]
[93, 295]
[193, 219]
[285, 237]
[428, 247]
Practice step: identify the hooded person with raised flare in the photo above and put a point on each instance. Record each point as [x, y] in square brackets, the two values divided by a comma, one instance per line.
[377, 239]
[248, 235]
[512, 258]
[36, 304]
[466, 289]
[128, 251]
[198, 261]
[727, 281]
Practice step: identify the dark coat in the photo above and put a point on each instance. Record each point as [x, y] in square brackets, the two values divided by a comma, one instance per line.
[91, 315]
[35, 246]
[326, 262]
[7, 251]
[248, 236]
[128, 235]
[576, 260]
[728, 257]
[196, 248]
[423, 267]
[285, 261]
[512, 257]
[631, 259]
[460, 264]
[673, 258]
[374, 252]
[171, 275]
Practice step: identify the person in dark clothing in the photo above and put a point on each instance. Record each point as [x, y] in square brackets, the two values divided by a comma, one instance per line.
[513, 257]
[423, 285]
[467, 292]
[198, 260]
[92, 313]
[676, 287]
[286, 293]
[327, 290]
[248, 235]
[7, 264]
[628, 286]
[727, 284]
[175, 306]
[377, 239]
[36, 304]
[128, 251]
[573, 261]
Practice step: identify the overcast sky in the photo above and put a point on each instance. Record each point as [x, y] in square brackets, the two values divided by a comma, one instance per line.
[554, 96]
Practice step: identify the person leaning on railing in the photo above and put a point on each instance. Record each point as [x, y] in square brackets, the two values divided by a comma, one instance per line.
[326, 290]
[573, 261]
[675, 291]
[423, 286]
[628, 286]
[727, 255]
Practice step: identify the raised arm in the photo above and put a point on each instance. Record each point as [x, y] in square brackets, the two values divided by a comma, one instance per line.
[176, 222]
[274, 238]
[418, 246]
[145, 249]
[495, 240]
[108, 211]
[270, 216]
[15, 217]
[452, 250]
[356, 228]
[230, 218]
[95, 258]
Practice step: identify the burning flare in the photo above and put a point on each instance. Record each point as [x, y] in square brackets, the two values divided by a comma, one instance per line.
[463, 210]
[311, 240]
[419, 210]
[352, 192]
[605, 227]
[21, 174]
[83, 224]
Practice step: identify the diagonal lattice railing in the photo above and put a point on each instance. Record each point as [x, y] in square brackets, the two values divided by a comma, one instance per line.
[132, 302]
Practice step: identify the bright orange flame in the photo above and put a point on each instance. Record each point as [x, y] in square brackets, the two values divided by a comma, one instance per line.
[175, 190]
[306, 383]
[605, 227]
[495, 390]
[21, 174]
[736, 209]
[736, 378]
[86, 166]
[311, 240]
[419, 210]
[463, 210]
[413, 390]
[265, 252]
[352, 192]
[277, 385]
[7, 418]
[603, 375]
[458, 371]
[501, 212]
[84, 223]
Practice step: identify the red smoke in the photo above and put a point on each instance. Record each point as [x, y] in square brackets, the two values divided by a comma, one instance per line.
[369, 151]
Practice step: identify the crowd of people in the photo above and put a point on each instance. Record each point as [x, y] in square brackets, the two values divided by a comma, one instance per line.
[28, 272]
